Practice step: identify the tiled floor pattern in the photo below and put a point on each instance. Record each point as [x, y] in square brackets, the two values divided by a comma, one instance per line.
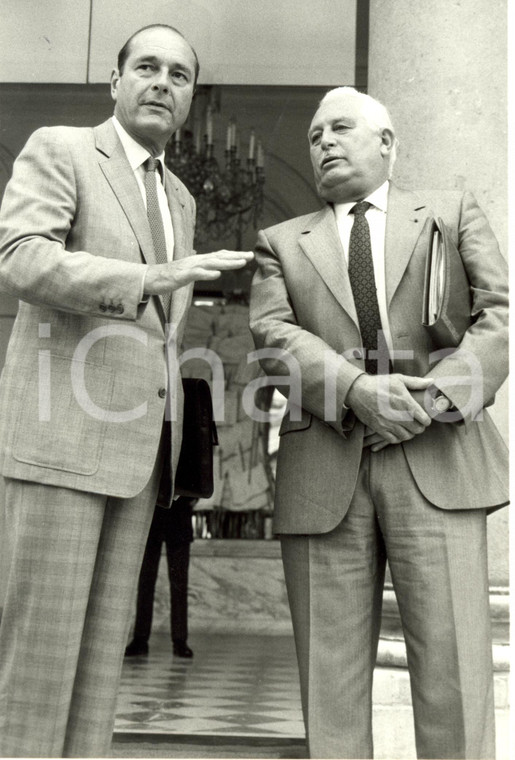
[234, 686]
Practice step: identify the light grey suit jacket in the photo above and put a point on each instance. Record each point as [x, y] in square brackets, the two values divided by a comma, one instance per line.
[82, 391]
[302, 303]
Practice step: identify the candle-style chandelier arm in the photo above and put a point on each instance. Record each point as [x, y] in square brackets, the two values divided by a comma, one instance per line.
[230, 196]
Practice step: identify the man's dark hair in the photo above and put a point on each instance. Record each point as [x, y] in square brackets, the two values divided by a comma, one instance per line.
[124, 52]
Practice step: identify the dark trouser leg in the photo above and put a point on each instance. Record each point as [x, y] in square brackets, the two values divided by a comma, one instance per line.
[147, 584]
[178, 563]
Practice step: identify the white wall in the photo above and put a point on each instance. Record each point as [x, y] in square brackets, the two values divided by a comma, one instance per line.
[238, 41]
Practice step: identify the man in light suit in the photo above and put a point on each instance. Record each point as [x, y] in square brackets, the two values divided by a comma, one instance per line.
[388, 454]
[95, 241]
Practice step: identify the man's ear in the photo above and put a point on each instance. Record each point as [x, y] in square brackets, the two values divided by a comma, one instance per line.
[387, 141]
[115, 78]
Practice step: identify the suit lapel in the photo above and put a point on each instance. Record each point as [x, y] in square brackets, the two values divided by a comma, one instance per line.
[321, 243]
[404, 221]
[117, 170]
[177, 212]
[181, 297]
[120, 176]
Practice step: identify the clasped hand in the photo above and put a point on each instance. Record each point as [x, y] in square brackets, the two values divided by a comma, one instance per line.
[390, 406]
[165, 278]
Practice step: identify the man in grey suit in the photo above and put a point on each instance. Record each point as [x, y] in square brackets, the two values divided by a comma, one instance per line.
[387, 453]
[96, 240]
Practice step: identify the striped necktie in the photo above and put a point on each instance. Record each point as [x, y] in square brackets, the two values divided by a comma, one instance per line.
[155, 220]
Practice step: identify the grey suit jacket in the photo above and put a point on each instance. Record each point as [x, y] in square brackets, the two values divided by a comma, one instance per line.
[82, 393]
[302, 303]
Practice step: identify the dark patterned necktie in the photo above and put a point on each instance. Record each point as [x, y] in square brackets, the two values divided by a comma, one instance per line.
[361, 275]
[155, 220]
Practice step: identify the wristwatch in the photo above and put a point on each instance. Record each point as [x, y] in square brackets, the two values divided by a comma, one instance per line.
[440, 404]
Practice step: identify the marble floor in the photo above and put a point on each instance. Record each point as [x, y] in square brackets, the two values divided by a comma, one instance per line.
[235, 686]
[239, 697]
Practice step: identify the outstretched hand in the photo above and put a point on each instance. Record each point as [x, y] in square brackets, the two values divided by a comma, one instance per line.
[165, 278]
[387, 407]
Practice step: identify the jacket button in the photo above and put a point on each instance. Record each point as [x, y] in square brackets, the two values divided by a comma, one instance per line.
[161, 392]
[112, 307]
[103, 307]
[120, 309]
[357, 354]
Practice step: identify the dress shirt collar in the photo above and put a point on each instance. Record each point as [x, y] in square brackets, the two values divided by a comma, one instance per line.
[379, 199]
[136, 153]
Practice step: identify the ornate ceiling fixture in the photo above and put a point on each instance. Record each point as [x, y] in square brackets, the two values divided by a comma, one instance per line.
[229, 192]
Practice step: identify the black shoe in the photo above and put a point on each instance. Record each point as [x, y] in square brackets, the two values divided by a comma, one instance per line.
[181, 649]
[136, 647]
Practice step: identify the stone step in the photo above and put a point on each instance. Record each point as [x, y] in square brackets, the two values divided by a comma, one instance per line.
[394, 735]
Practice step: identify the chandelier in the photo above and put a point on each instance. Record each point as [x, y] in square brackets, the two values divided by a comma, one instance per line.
[229, 193]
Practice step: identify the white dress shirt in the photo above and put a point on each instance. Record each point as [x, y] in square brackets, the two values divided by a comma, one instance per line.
[376, 218]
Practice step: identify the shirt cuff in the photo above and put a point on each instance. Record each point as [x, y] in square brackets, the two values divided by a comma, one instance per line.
[143, 297]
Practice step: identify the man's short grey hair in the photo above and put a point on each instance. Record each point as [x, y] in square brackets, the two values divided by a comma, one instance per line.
[375, 113]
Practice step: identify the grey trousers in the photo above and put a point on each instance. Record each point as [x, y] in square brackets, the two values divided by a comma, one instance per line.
[70, 597]
[438, 563]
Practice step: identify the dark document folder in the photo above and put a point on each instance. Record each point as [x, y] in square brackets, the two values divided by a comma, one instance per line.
[194, 476]
[446, 309]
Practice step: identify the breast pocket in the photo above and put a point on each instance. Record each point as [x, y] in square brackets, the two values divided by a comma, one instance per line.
[62, 422]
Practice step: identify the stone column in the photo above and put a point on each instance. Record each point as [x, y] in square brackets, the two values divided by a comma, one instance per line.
[440, 68]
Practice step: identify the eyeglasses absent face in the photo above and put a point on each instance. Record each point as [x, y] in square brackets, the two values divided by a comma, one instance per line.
[153, 92]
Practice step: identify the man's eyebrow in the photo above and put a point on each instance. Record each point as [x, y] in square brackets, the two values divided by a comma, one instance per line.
[183, 66]
[151, 58]
[348, 120]
[345, 119]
